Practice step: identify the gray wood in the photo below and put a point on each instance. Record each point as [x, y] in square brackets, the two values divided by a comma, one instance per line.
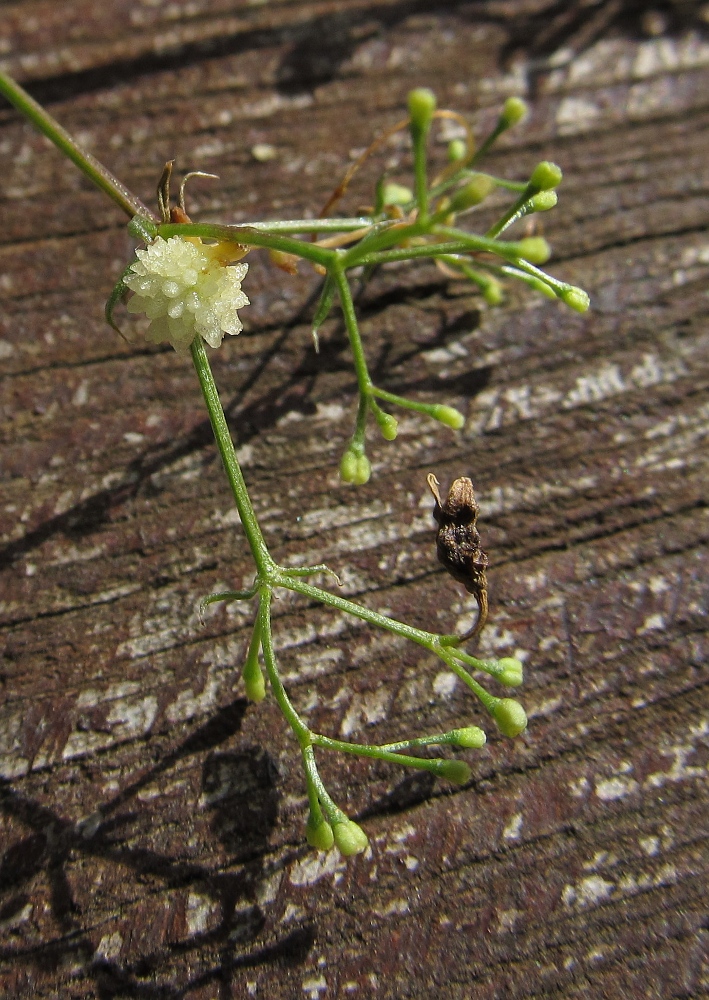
[151, 821]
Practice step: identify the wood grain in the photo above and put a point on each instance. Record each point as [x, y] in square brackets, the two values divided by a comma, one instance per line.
[151, 821]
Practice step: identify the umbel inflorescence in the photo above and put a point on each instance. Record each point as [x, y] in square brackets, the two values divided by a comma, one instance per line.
[187, 282]
[186, 290]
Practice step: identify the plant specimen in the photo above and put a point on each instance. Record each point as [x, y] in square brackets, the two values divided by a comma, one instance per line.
[187, 280]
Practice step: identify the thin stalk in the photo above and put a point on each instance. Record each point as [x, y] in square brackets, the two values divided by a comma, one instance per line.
[376, 753]
[303, 734]
[380, 238]
[250, 237]
[311, 225]
[96, 172]
[514, 212]
[350, 316]
[419, 137]
[488, 700]
[427, 639]
[502, 248]
[408, 404]
[250, 524]
[316, 787]
[312, 782]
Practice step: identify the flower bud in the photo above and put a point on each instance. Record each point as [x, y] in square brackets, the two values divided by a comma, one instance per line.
[575, 297]
[493, 293]
[254, 681]
[456, 771]
[457, 150]
[510, 717]
[475, 191]
[388, 425]
[396, 194]
[355, 468]
[349, 837]
[512, 672]
[448, 415]
[513, 111]
[545, 176]
[535, 249]
[319, 833]
[422, 104]
[542, 201]
[469, 738]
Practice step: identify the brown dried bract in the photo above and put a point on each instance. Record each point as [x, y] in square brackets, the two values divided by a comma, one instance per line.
[458, 542]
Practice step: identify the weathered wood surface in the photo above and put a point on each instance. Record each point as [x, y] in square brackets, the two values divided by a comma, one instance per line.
[151, 820]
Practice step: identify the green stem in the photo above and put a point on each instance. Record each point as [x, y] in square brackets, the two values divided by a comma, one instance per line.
[381, 238]
[317, 790]
[376, 753]
[250, 237]
[313, 782]
[303, 734]
[250, 524]
[514, 212]
[350, 316]
[407, 404]
[427, 639]
[419, 139]
[88, 164]
[488, 700]
[311, 225]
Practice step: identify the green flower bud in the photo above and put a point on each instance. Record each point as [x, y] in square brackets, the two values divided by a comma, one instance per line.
[546, 175]
[254, 681]
[470, 738]
[364, 471]
[396, 194]
[535, 249]
[355, 468]
[388, 425]
[349, 837]
[422, 104]
[493, 293]
[575, 297]
[348, 466]
[448, 415]
[475, 191]
[512, 673]
[457, 150]
[510, 717]
[456, 771]
[319, 833]
[542, 201]
[513, 111]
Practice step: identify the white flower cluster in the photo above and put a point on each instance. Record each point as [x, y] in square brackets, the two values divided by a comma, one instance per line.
[185, 288]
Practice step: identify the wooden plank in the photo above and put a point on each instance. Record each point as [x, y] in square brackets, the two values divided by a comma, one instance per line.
[151, 821]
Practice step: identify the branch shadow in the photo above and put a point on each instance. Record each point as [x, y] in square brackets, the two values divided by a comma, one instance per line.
[240, 791]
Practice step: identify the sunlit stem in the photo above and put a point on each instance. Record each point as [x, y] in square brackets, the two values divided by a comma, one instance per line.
[378, 753]
[317, 790]
[514, 212]
[350, 317]
[302, 733]
[249, 522]
[96, 172]
[251, 237]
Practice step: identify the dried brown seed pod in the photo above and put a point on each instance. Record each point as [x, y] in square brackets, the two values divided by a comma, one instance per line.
[458, 542]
